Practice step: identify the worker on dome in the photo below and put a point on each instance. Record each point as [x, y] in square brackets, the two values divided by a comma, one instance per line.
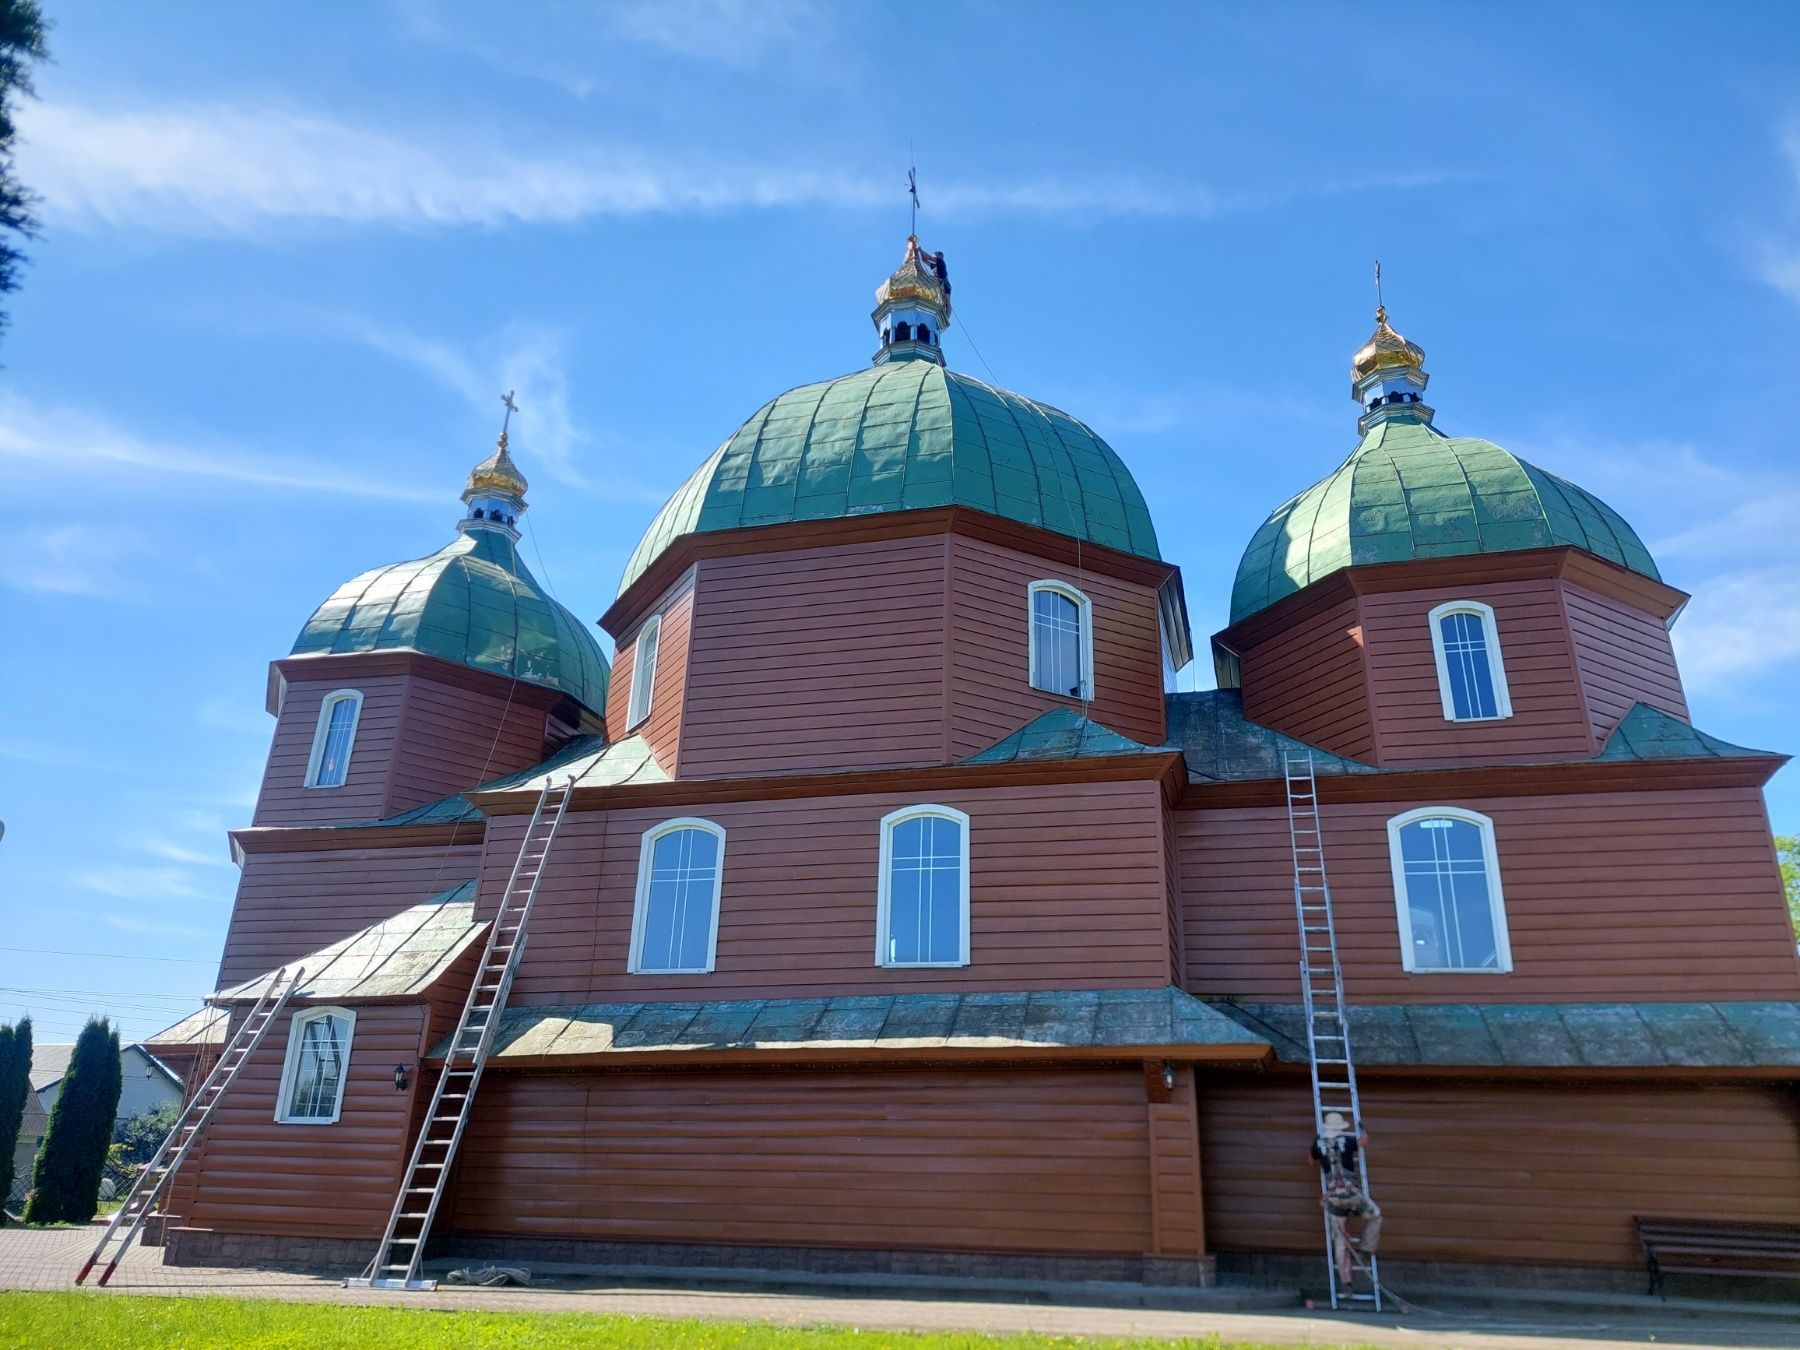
[1338, 1151]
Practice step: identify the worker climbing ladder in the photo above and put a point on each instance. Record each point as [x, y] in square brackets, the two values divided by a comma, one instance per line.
[1322, 994]
[397, 1262]
[154, 1180]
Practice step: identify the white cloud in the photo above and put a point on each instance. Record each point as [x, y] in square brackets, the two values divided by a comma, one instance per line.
[64, 438]
[1740, 626]
[72, 559]
[727, 32]
[217, 168]
[148, 883]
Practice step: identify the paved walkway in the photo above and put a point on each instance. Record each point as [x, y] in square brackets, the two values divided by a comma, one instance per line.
[48, 1260]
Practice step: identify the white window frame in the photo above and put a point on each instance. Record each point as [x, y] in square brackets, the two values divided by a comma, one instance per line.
[643, 673]
[884, 883]
[1496, 897]
[1084, 622]
[640, 909]
[322, 731]
[1490, 633]
[291, 1065]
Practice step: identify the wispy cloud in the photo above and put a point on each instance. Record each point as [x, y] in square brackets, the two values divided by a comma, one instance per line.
[220, 168]
[149, 883]
[64, 438]
[72, 559]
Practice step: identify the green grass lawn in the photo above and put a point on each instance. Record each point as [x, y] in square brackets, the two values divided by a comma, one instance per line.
[95, 1321]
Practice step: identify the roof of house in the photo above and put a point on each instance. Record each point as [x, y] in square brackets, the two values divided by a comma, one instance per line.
[1547, 1035]
[50, 1063]
[203, 1030]
[1220, 744]
[904, 436]
[400, 956]
[1650, 733]
[1083, 1019]
[1409, 491]
[1061, 733]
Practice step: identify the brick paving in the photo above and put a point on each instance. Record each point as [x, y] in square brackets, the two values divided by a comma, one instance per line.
[48, 1260]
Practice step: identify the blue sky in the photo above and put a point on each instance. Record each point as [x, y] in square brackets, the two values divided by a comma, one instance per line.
[291, 261]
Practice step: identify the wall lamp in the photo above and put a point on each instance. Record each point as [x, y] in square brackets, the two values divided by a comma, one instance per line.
[1168, 1076]
[399, 1078]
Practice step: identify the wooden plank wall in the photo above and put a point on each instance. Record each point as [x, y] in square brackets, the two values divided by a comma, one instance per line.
[1625, 895]
[814, 659]
[1308, 681]
[1549, 718]
[285, 798]
[1024, 1161]
[1539, 1174]
[1178, 1219]
[989, 662]
[1625, 657]
[669, 692]
[289, 904]
[1067, 891]
[457, 736]
[257, 1176]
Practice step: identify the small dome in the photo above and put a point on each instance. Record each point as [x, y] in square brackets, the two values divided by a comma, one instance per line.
[914, 280]
[1408, 491]
[473, 602]
[496, 475]
[907, 436]
[1385, 350]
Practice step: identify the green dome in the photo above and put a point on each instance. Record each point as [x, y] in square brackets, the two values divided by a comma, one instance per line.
[472, 602]
[1408, 491]
[905, 436]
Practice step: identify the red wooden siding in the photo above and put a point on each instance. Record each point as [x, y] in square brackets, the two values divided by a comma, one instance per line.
[1066, 882]
[1178, 1220]
[1020, 1161]
[988, 618]
[827, 658]
[1624, 656]
[1549, 721]
[1633, 895]
[1308, 681]
[669, 691]
[286, 800]
[1535, 1174]
[456, 736]
[289, 904]
[257, 1176]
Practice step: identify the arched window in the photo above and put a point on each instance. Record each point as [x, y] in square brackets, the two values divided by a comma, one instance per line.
[643, 671]
[318, 1062]
[675, 925]
[1471, 676]
[1447, 889]
[925, 334]
[329, 763]
[903, 332]
[1062, 640]
[922, 913]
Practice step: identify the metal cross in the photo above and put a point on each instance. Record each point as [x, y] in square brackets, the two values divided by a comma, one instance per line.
[912, 189]
[511, 408]
[1378, 304]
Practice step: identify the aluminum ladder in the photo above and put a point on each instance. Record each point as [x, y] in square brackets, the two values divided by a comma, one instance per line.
[397, 1262]
[1322, 993]
[189, 1125]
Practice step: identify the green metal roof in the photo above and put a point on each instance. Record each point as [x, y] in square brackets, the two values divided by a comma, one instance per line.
[907, 436]
[1408, 491]
[1085, 1019]
[1548, 1035]
[1651, 733]
[1061, 733]
[1221, 745]
[473, 602]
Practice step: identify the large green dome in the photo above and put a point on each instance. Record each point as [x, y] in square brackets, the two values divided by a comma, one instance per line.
[473, 602]
[906, 435]
[1408, 491]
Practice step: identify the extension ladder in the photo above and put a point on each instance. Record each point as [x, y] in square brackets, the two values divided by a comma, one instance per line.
[156, 1176]
[397, 1261]
[1322, 993]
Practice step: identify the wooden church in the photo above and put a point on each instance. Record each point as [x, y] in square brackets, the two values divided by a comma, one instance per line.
[878, 908]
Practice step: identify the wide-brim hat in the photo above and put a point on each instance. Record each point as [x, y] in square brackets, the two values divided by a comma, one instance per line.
[1335, 1124]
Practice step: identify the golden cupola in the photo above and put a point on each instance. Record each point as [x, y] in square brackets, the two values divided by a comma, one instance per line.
[495, 495]
[1386, 350]
[1387, 376]
[912, 307]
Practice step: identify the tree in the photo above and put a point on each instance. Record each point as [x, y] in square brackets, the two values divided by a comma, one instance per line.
[22, 30]
[65, 1188]
[15, 1087]
[1787, 852]
[138, 1137]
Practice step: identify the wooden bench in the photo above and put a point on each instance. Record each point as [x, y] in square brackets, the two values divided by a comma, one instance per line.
[1718, 1247]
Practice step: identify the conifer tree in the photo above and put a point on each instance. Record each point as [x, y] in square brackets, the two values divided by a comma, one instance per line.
[65, 1188]
[15, 1087]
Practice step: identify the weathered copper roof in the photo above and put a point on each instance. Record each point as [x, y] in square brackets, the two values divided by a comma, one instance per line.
[907, 436]
[1651, 733]
[1061, 733]
[1408, 491]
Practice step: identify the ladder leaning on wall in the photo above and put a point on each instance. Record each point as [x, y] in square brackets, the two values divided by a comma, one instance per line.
[1322, 994]
[398, 1260]
[189, 1125]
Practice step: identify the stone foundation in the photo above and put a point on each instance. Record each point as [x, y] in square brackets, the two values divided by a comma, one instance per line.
[206, 1247]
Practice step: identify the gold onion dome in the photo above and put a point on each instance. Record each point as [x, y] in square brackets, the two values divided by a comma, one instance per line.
[496, 476]
[1385, 350]
[915, 279]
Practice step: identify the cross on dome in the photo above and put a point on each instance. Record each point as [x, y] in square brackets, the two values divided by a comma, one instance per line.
[912, 307]
[1387, 373]
[495, 495]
